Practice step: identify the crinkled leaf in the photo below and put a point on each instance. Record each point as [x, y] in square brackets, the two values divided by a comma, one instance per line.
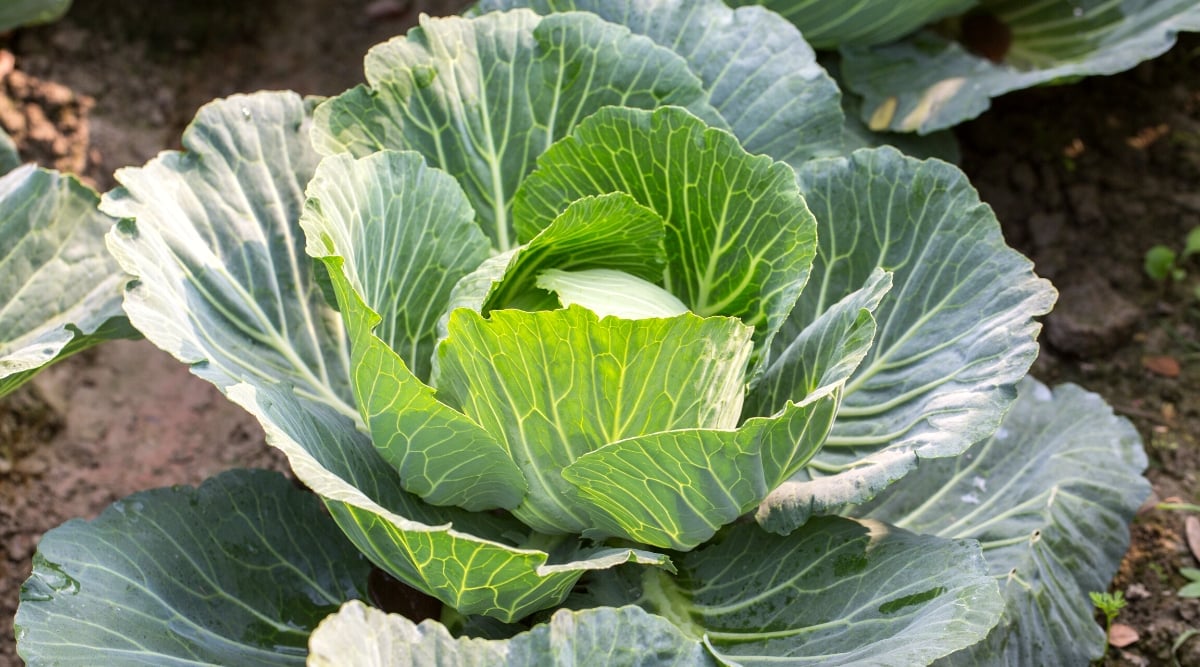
[760, 74]
[610, 231]
[824, 354]
[16, 13]
[237, 572]
[828, 25]
[60, 290]
[395, 236]
[554, 385]
[483, 97]
[928, 82]
[470, 561]
[740, 239]
[1050, 498]
[835, 592]
[674, 490]
[366, 637]
[223, 281]
[955, 333]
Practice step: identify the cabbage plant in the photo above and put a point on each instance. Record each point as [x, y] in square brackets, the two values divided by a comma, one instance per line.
[573, 328]
[924, 66]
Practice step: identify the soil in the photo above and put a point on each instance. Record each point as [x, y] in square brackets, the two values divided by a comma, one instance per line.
[1085, 179]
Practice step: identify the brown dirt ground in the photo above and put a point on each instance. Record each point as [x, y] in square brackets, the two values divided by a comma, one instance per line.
[1084, 177]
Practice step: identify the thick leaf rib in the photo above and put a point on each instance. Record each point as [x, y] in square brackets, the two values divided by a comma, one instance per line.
[482, 98]
[395, 236]
[740, 239]
[235, 572]
[954, 335]
[214, 241]
[555, 385]
[471, 561]
[60, 290]
[1049, 497]
[760, 75]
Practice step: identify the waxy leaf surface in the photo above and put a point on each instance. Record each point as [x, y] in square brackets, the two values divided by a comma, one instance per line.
[1050, 497]
[955, 333]
[758, 72]
[60, 290]
[482, 98]
[237, 572]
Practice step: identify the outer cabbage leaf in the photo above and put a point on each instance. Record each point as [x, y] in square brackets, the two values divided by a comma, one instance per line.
[955, 333]
[835, 592]
[472, 561]
[395, 236]
[214, 240]
[828, 25]
[366, 637]
[928, 82]
[16, 13]
[60, 290]
[237, 571]
[555, 385]
[1050, 497]
[482, 98]
[760, 74]
[740, 239]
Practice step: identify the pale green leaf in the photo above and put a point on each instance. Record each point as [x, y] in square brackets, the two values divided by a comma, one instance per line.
[611, 293]
[554, 385]
[676, 489]
[828, 25]
[481, 98]
[955, 333]
[1050, 498]
[759, 73]
[835, 592]
[928, 82]
[393, 254]
[214, 241]
[610, 231]
[17, 13]
[236, 572]
[60, 290]
[739, 240]
[471, 561]
[626, 637]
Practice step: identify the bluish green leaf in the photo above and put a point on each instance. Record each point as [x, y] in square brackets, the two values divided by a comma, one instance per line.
[235, 572]
[835, 592]
[555, 385]
[928, 82]
[474, 562]
[1050, 498]
[759, 73]
[393, 254]
[955, 333]
[17, 13]
[214, 242]
[60, 290]
[482, 98]
[828, 25]
[626, 637]
[739, 240]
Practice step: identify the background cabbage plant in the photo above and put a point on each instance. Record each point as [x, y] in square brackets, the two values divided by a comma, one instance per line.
[585, 330]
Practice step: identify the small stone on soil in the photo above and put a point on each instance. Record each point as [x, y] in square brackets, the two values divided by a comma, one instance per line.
[1091, 318]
